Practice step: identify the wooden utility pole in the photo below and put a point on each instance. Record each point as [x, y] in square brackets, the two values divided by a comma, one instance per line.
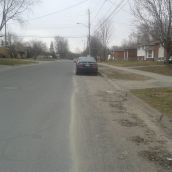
[5, 20]
[89, 33]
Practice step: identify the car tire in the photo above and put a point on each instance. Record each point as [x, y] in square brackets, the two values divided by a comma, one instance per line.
[76, 71]
[96, 73]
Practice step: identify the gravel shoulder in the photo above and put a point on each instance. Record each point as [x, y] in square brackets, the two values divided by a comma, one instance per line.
[112, 130]
[154, 81]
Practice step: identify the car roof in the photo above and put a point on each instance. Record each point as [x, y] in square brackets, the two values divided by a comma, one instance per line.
[87, 59]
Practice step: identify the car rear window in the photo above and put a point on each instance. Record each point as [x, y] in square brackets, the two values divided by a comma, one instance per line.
[87, 59]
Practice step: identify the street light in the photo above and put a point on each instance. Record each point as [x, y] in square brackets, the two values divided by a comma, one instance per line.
[83, 24]
[89, 31]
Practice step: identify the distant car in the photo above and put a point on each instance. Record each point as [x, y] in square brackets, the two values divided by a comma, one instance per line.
[75, 60]
[86, 65]
[169, 61]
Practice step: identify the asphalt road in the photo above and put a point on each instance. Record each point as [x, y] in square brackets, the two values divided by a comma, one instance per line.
[35, 118]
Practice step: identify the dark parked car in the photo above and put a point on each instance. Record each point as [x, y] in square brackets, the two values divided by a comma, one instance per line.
[86, 65]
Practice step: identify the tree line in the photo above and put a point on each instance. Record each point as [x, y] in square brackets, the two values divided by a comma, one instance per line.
[153, 21]
[58, 48]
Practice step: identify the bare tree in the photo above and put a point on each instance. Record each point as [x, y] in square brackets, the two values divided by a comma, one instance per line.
[156, 16]
[131, 42]
[13, 39]
[61, 46]
[104, 34]
[52, 51]
[37, 48]
[96, 47]
[14, 44]
[13, 10]
[143, 35]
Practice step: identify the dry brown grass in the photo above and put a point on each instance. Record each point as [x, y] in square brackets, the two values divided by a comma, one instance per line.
[133, 63]
[121, 75]
[159, 98]
[13, 62]
[164, 69]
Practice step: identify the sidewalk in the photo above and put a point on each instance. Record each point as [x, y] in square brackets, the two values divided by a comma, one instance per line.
[135, 71]
[154, 81]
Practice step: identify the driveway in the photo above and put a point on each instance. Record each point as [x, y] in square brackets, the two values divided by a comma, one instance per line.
[154, 80]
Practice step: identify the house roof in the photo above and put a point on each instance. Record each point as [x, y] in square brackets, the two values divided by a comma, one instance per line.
[123, 49]
[118, 50]
[152, 43]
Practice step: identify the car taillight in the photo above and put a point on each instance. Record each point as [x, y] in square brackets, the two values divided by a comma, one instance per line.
[80, 64]
[94, 65]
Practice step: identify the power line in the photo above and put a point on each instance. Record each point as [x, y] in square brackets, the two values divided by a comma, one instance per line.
[117, 9]
[59, 11]
[113, 3]
[35, 36]
[121, 8]
[100, 7]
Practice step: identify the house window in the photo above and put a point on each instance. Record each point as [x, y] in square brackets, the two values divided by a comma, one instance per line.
[150, 54]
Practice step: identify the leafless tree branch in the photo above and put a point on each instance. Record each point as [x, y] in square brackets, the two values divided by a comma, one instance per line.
[156, 15]
[13, 10]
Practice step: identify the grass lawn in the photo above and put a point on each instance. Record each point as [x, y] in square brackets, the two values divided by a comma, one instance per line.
[121, 75]
[12, 62]
[133, 63]
[159, 98]
[164, 69]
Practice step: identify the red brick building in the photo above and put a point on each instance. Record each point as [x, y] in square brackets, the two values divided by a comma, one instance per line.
[125, 54]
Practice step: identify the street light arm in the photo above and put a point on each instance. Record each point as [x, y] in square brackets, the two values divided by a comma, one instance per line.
[83, 24]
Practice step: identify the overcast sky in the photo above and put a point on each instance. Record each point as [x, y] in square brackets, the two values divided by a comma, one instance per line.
[63, 22]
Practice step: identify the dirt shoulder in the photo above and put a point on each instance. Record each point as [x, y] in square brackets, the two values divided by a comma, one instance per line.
[115, 131]
[152, 91]
[156, 121]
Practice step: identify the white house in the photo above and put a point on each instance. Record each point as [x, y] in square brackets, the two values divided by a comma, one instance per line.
[152, 51]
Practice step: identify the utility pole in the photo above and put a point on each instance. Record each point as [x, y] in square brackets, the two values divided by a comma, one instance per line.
[5, 32]
[89, 33]
[5, 20]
